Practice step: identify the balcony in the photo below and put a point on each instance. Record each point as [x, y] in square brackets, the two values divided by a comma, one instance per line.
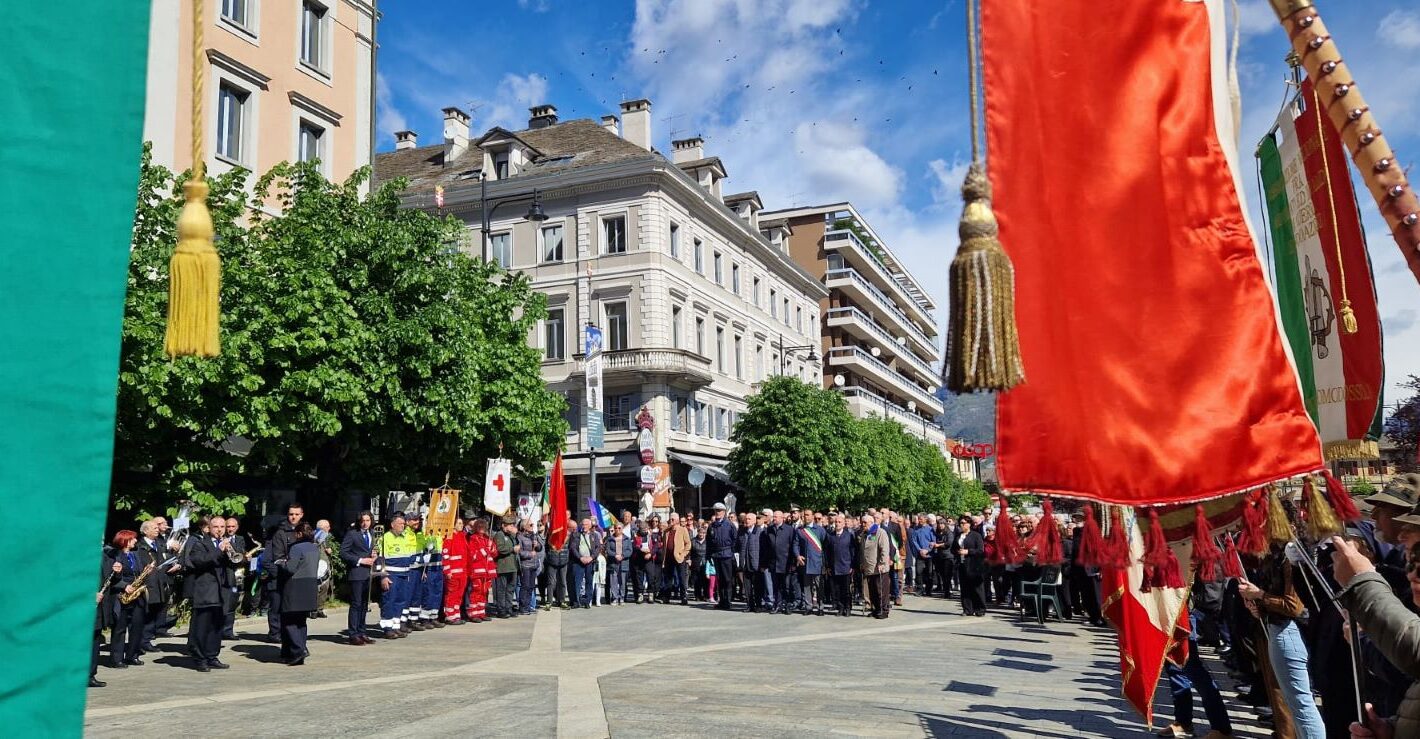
[863, 402]
[671, 365]
[858, 287]
[847, 243]
[859, 360]
[862, 326]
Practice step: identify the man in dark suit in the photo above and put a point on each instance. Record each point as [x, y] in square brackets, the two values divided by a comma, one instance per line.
[238, 544]
[747, 546]
[209, 568]
[775, 549]
[838, 558]
[356, 550]
[278, 547]
[151, 548]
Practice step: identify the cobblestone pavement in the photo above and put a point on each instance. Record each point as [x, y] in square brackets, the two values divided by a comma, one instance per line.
[643, 670]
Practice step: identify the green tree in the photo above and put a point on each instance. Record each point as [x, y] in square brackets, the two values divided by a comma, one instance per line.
[359, 348]
[1403, 426]
[795, 444]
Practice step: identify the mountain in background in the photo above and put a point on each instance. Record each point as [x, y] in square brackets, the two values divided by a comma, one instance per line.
[971, 418]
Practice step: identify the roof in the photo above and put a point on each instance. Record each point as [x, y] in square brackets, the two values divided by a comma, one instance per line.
[706, 162]
[752, 195]
[560, 147]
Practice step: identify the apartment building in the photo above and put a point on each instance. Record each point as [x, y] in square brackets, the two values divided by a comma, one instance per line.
[284, 80]
[693, 301]
[879, 335]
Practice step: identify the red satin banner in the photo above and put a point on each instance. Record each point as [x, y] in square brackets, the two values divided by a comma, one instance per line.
[1155, 366]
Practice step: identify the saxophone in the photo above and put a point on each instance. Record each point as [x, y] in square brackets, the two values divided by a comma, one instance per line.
[137, 588]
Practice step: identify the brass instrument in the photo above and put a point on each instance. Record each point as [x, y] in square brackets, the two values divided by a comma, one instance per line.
[377, 567]
[137, 589]
[235, 556]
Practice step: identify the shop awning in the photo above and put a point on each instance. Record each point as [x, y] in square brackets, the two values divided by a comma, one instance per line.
[712, 466]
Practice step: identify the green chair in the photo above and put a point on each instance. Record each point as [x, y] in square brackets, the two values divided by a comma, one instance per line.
[1043, 592]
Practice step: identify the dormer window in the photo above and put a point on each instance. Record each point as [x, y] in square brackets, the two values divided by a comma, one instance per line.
[500, 165]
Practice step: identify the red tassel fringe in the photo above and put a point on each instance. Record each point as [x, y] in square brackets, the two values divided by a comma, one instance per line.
[1205, 553]
[1116, 546]
[1232, 565]
[1253, 537]
[1091, 551]
[1340, 499]
[1045, 540]
[1008, 547]
[1161, 568]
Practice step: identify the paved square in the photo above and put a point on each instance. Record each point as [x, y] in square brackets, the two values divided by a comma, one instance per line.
[646, 670]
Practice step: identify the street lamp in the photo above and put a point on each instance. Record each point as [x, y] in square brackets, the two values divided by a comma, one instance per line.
[486, 208]
[784, 352]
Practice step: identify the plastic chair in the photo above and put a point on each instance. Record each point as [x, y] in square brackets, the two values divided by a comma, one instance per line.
[1046, 593]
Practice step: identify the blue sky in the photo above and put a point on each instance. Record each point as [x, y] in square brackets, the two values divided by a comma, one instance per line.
[812, 101]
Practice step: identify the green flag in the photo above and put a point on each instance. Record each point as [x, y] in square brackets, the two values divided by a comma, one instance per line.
[71, 101]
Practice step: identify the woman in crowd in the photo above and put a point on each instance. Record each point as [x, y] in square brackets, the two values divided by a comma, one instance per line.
[124, 620]
[616, 548]
[299, 582]
[530, 556]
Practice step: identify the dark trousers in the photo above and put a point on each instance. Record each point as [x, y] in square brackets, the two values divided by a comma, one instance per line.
[1184, 681]
[777, 591]
[653, 577]
[724, 580]
[153, 621]
[556, 584]
[582, 582]
[503, 593]
[229, 618]
[206, 632]
[359, 606]
[293, 634]
[126, 637]
[793, 590]
[946, 573]
[880, 591]
[842, 588]
[973, 593]
[526, 587]
[1086, 592]
[94, 658]
[673, 580]
[273, 612]
[926, 577]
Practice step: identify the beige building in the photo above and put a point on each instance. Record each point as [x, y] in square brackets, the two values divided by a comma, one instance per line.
[879, 336]
[284, 80]
[694, 302]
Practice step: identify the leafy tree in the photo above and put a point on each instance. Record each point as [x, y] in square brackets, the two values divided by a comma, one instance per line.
[974, 497]
[1403, 426]
[358, 349]
[795, 444]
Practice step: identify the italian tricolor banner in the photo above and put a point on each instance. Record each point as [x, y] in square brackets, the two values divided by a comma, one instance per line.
[1320, 265]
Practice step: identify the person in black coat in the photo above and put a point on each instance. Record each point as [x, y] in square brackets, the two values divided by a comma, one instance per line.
[357, 552]
[211, 580]
[277, 548]
[299, 583]
[971, 569]
[838, 556]
[152, 548]
[747, 546]
[125, 621]
[720, 548]
[775, 550]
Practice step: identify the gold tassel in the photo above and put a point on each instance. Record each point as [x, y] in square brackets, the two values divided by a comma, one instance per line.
[1278, 530]
[983, 349]
[1321, 518]
[194, 279]
[1348, 318]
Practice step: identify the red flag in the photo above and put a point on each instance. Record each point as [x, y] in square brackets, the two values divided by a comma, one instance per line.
[557, 501]
[1156, 370]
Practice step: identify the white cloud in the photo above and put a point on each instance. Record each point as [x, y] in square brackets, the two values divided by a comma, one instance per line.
[389, 118]
[947, 179]
[510, 101]
[1256, 16]
[1400, 29]
[834, 160]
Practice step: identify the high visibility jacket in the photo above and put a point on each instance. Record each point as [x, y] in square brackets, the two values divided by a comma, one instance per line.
[399, 550]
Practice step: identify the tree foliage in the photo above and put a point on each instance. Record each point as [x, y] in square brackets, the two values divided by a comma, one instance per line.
[1403, 426]
[358, 348]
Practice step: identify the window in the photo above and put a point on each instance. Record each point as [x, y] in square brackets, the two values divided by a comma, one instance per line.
[773, 303]
[552, 243]
[675, 241]
[699, 257]
[235, 11]
[754, 291]
[553, 337]
[500, 246]
[702, 419]
[621, 412]
[675, 327]
[799, 318]
[735, 278]
[730, 430]
[616, 338]
[313, 34]
[700, 336]
[739, 358]
[786, 311]
[722, 424]
[231, 122]
[500, 165]
[719, 349]
[758, 362]
[719, 270]
[614, 235]
[310, 140]
[677, 413]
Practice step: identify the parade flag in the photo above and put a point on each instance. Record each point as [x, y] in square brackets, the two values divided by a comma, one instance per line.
[602, 515]
[1323, 272]
[1155, 364]
[67, 200]
[497, 495]
[1152, 627]
[557, 502]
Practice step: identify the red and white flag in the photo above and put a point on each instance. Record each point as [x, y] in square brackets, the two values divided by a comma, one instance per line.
[1156, 367]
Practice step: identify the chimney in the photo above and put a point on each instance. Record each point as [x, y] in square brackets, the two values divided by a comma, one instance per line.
[687, 150]
[542, 116]
[609, 123]
[636, 122]
[405, 140]
[455, 133]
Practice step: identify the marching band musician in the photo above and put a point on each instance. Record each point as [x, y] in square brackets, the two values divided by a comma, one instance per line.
[455, 567]
[209, 568]
[357, 551]
[154, 549]
[239, 544]
[399, 548]
[125, 620]
[279, 544]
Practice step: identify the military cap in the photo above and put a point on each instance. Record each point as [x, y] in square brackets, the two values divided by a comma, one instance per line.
[1403, 491]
